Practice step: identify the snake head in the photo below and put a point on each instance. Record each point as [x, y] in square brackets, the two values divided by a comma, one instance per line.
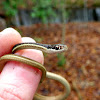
[57, 48]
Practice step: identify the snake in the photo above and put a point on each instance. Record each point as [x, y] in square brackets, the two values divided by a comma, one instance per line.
[47, 48]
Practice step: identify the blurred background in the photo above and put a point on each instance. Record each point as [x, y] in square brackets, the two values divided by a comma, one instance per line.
[71, 22]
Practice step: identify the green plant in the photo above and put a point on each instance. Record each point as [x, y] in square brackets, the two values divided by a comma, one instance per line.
[11, 6]
[43, 10]
[37, 39]
[64, 16]
[61, 59]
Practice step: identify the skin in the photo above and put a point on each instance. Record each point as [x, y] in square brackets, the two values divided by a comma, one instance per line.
[18, 81]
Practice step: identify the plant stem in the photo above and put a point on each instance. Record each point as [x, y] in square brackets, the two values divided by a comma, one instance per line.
[63, 22]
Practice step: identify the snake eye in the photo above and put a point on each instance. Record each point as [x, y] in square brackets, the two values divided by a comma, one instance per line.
[61, 47]
[57, 47]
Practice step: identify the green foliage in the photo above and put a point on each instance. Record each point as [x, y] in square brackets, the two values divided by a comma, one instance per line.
[43, 10]
[96, 3]
[61, 59]
[11, 6]
[37, 39]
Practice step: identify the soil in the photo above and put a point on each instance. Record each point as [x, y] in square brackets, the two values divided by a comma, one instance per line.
[82, 67]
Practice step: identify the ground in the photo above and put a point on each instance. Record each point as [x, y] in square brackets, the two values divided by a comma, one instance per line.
[82, 67]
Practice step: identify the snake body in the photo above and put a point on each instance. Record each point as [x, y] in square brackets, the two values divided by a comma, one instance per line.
[45, 48]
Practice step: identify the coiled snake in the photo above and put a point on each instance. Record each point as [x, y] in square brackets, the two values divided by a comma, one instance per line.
[45, 48]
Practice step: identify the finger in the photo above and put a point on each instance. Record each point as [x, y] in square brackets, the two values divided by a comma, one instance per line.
[20, 81]
[8, 38]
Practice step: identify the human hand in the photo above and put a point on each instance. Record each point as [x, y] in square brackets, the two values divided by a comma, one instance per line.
[18, 81]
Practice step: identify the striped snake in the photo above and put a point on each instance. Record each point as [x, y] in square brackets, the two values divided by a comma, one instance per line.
[47, 48]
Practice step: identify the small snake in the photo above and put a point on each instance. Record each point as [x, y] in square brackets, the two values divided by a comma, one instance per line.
[45, 48]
